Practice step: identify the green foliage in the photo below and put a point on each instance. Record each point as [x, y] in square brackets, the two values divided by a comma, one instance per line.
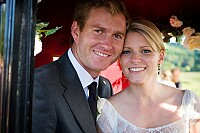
[52, 31]
[181, 57]
[41, 25]
[40, 31]
[197, 61]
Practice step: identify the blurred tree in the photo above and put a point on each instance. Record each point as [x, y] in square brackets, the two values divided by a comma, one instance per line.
[179, 56]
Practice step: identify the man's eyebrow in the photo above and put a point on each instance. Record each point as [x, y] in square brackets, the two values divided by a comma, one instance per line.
[103, 28]
[121, 33]
[98, 26]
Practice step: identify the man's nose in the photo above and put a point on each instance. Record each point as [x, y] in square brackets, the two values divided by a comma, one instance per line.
[107, 42]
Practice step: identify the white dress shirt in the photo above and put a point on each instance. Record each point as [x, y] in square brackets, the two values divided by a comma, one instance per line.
[85, 78]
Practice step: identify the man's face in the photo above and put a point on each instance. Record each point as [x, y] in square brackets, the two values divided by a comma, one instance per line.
[100, 42]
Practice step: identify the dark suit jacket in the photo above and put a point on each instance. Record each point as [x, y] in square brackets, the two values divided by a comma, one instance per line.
[59, 101]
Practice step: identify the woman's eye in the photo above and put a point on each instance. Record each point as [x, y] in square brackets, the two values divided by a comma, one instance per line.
[125, 52]
[146, 51]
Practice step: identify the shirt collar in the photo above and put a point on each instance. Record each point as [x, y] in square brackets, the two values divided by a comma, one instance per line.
[85, 78]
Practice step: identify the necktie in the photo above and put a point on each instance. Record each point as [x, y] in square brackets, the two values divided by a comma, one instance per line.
[92, 99]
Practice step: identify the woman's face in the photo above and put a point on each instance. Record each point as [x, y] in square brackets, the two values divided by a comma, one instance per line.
[138, 60]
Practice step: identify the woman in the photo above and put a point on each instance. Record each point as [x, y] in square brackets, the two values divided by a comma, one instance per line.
[147, 106]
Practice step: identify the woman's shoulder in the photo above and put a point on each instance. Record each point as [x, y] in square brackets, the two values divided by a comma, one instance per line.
[185, 97]
[191, 105]
[189, 94]
[190, 97]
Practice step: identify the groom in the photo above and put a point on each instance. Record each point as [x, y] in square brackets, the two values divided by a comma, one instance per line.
[61, 88]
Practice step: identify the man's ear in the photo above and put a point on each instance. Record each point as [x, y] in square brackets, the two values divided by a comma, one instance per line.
[75, 30]
[161, 57]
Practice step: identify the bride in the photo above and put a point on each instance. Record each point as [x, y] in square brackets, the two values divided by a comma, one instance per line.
[147, 106]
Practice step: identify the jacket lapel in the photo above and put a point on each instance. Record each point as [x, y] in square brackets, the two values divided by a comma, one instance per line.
[105, 88]
[75, 95]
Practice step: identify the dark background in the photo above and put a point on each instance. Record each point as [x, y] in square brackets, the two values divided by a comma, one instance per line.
[59, 13]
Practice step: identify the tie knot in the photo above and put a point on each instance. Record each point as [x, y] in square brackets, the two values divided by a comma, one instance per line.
[92, 88]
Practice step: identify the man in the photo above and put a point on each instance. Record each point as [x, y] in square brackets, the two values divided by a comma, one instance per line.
[61, 88]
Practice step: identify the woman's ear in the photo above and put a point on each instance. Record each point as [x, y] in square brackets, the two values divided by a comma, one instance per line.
[75, 30]
[161, 57]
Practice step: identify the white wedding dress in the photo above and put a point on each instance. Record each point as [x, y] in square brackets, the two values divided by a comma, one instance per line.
[110, 121]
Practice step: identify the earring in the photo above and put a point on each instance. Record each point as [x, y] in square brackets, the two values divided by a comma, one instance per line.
[158, 69]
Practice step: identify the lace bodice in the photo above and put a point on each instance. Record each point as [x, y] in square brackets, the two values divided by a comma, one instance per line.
[110, 121]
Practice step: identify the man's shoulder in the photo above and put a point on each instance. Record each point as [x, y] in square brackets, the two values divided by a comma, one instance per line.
[52, 65]
[105, 87]
[101, 78]
[45, 70]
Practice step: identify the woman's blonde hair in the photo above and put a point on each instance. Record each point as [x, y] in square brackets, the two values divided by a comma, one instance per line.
[150, 31]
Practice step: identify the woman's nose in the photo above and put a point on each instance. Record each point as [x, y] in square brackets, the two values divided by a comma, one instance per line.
[135, 58]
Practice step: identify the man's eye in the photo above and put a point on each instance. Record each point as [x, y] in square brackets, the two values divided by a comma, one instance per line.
[98, 31]
[125, 52]
[118, 36]
[146, 51]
